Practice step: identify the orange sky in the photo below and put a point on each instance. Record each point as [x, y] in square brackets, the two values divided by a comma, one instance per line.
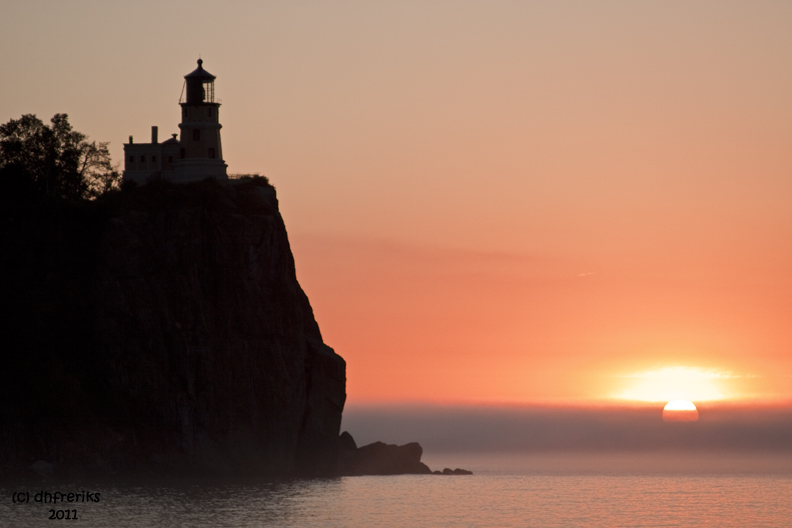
[487, 201]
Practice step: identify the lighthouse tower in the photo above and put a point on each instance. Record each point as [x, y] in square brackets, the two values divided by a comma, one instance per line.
[201, 155]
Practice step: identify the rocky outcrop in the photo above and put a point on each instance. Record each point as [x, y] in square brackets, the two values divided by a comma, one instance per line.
[449, 471]
[384, 459]
[162, 329]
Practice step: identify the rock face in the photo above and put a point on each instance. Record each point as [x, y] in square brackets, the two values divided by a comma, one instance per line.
[162, 330]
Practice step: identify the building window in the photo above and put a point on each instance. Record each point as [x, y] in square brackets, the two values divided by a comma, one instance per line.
[170, 159]
[211, 153]
[209, 112]
[131, 159]
[181, 153]
[154, 159]
[142, 159]
[196, 135]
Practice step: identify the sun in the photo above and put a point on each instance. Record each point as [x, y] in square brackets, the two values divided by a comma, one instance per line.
[680, 411]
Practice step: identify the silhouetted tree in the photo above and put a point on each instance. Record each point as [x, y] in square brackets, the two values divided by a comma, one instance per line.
[60, 161]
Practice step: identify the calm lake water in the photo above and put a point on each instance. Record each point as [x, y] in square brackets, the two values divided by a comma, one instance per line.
[506, 491]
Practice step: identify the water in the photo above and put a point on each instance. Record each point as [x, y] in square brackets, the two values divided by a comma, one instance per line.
[609, 491]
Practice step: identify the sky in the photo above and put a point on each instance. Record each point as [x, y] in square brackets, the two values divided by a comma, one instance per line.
[489, 202]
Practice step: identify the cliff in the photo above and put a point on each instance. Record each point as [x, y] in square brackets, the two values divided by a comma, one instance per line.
[162, 330]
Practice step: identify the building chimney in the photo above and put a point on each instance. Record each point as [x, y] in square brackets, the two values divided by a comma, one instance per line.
[154, 135]
[131, 140]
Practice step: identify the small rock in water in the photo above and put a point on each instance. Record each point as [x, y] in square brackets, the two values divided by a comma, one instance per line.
[457, 471]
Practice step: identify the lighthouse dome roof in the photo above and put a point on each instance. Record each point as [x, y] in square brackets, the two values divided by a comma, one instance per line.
[200, 74]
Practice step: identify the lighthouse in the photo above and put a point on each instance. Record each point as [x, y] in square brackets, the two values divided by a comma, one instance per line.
[201, 155]
[198, 153]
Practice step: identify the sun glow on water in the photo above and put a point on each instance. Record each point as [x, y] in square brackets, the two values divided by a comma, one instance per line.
[676, 383]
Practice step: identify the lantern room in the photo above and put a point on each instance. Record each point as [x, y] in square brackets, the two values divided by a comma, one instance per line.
[199, 85]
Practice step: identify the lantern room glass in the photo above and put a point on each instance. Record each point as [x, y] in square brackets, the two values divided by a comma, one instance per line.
[208, 92]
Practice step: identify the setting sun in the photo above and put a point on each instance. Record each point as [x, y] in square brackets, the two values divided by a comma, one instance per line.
[680, 411]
